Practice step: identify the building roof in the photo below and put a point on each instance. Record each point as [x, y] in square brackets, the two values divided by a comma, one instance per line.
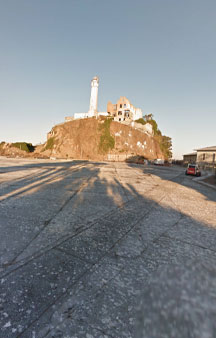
[213, 148]
[190, 154]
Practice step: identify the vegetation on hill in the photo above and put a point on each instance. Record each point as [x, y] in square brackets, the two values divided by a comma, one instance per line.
[28, 147]
[164, 141]
[50, 143]
[141, 121]
[151, 121]
[107, 142]
[166, 146]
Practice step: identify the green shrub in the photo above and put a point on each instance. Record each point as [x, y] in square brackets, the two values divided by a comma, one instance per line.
[152, 122]
[107, 142]
[141, 120]
[50, 143]
[164, 141]
[28, 147]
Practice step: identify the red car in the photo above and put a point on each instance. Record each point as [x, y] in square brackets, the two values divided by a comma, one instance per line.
[193, 169]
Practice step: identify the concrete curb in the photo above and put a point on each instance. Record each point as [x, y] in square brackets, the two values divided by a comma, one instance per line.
[200, 180]
[205, 174]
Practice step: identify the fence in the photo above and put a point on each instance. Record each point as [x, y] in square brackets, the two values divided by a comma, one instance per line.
[118, 157]
[209, 166]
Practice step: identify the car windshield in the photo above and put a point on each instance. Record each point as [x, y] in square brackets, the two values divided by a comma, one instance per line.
[191, 166]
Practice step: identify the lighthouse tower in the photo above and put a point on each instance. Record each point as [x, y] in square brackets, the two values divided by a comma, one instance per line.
[94, 97]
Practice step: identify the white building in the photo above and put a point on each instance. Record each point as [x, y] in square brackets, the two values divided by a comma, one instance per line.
[206, 157]
[123, 110]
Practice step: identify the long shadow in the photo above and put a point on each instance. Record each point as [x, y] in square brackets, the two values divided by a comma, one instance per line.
[88, 228]
[50, 171]
[38, 164]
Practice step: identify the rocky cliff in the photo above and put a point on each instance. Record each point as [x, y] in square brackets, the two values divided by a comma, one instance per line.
[96, 140]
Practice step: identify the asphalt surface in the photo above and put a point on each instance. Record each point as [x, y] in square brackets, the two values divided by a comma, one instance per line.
[105, 250]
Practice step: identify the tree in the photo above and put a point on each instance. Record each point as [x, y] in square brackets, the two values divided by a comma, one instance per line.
[166, 146]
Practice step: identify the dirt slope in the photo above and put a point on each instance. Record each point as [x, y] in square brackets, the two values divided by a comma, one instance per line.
[8, 150]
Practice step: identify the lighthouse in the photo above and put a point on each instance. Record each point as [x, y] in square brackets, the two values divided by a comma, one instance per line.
[94, 97]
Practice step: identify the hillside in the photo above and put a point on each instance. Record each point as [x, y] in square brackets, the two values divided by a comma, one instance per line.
[21, 150]
[99, 139]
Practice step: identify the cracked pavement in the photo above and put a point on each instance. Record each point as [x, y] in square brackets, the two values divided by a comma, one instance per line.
[105, 250]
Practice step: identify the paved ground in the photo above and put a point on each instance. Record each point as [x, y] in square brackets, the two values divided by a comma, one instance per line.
[105, 250]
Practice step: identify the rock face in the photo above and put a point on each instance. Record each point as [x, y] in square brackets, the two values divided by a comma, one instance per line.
[80, 139]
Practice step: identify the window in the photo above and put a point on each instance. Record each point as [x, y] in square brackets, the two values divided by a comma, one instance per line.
[203, 157]
[120, 119]
[119, 112]
[124, 105]
[120, 105]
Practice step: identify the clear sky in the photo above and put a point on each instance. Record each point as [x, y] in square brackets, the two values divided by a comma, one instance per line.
[160, 54]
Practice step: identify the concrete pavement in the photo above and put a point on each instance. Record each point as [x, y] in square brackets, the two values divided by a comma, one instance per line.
[105, 250]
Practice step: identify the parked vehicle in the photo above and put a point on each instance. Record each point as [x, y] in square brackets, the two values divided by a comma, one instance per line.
[193, 169]
[158, 161]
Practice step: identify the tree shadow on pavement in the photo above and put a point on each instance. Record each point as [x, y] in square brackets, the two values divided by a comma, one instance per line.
[80, 243]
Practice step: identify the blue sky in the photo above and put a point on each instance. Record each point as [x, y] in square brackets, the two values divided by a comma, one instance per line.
[161, 54]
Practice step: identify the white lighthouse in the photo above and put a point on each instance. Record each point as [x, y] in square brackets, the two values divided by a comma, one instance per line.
[94, 97]
[93, 104]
